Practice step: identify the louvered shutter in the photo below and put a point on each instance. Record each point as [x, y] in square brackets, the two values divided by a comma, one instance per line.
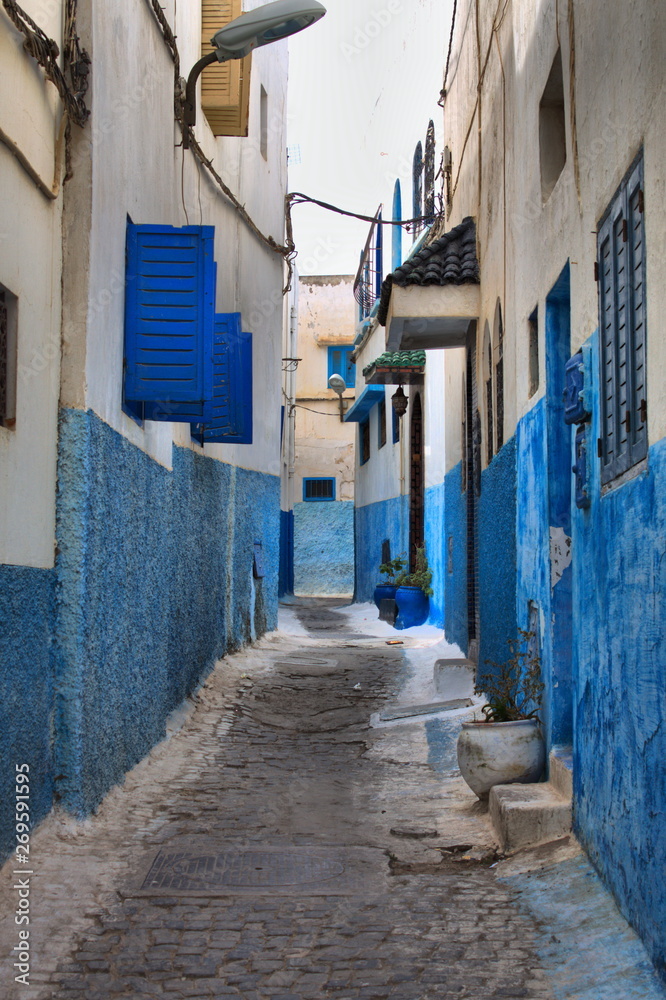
[622, 329]
[335, 362]
[169, 310]
[636, 288]
[225, 87]
[230, 420]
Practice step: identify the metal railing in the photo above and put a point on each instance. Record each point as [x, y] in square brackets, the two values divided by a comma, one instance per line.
[370, 274]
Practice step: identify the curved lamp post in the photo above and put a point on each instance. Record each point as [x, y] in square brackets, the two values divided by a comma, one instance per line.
[251, 30]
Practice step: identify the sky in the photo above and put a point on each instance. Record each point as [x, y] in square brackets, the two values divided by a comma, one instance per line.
[363, 83]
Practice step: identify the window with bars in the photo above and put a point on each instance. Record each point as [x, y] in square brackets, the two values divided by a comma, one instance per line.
[622, 328]
[319, 488]
[381, 416]
[364, 433]
[8, 318]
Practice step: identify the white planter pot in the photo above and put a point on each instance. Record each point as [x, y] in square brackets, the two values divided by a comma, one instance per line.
[500, 753]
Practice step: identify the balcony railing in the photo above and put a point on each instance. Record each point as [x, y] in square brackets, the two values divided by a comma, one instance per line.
[370, 274]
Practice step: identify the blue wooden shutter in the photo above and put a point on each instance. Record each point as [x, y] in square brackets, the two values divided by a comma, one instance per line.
[169, 309]
[229, 418]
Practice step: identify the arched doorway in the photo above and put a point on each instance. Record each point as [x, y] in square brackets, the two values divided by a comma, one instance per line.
[416, 537]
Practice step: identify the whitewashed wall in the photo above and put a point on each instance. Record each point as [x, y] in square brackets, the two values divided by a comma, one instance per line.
[30, 113]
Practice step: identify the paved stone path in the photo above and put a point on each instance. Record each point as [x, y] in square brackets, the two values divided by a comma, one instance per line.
[284, 759]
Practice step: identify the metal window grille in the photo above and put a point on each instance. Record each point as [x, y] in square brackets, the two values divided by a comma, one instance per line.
[429, 177]
[370, 274]
[417, 187]
[319, 489]
[365, 441]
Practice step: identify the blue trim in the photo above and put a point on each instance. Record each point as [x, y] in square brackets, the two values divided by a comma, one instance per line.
[343, 366]
[365, 402]
[318, 479]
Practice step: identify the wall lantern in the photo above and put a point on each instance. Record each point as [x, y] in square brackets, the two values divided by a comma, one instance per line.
[399, 402]
[251, 30]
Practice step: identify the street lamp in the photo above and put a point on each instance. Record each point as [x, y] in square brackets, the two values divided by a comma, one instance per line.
[251, 30]
[338, 385]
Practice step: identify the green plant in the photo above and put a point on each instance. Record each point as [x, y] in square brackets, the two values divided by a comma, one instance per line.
[514, 691]
[421, 576]
[393, 566]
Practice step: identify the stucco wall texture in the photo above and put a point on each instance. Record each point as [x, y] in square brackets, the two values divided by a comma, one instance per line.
[324, 548]
[374, 523]
[619, 582]
[497, 556]
[435, 545]
[455, 602]
[154, 583]
[26, 691]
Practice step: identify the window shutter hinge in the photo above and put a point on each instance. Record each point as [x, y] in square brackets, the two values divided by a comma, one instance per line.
[641, 201]
[625, 231]
[627, 421]
[600, 448]
[596, 270]
[643, 411]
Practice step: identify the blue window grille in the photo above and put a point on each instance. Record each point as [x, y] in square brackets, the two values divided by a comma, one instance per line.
[340, 363]
[319, 488]
[396, 426]
[381, 423]
[182, 362]
[364, 441]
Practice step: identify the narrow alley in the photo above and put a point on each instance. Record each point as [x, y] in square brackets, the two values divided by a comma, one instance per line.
[277, 845]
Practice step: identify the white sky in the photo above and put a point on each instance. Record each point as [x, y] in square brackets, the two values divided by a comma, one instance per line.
[363, 84]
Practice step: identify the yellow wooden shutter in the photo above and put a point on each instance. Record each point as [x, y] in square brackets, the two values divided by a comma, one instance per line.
[225, 87]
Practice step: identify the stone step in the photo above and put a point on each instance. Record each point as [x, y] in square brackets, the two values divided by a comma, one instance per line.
[454, 678]
[526, 815]
[561, 770]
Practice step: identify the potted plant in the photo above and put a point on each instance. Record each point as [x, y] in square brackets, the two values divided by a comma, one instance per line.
[413, 592]
[506, 746]
[387, 588]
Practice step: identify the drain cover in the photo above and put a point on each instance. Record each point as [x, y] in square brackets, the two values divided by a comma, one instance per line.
[252, 869]
[205, 868]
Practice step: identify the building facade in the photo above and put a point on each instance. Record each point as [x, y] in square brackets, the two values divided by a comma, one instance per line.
[142, 335]
[549, 361]
[323, 480]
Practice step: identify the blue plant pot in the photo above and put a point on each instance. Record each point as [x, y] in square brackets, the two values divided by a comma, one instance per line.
[383, 591]
[413, 607]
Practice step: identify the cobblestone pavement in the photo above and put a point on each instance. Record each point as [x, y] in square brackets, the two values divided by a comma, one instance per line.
[278, 754]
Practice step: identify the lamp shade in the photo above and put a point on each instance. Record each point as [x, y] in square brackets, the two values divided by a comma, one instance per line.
[264, 25]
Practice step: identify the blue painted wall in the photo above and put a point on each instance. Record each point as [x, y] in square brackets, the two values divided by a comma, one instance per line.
[286, 578]
[324, 547]
[619, 583]
[154, 583]
[435, 544]
[374, 523]
[497, 556]
[455, 601]
[26, 691]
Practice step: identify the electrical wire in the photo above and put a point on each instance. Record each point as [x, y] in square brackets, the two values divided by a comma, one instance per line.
[442, 96]
[46, 52]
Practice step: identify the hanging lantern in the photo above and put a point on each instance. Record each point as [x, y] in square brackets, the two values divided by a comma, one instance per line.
[399, 402]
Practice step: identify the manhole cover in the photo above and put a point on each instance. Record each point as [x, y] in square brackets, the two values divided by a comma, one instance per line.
[252, 869]
[203, 866]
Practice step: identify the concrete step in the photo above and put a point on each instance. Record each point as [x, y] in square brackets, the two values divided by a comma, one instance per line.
[561, 770]
[526, 815]
[454, 678]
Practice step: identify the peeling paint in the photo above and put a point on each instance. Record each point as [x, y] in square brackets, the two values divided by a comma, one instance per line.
[560, 554]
